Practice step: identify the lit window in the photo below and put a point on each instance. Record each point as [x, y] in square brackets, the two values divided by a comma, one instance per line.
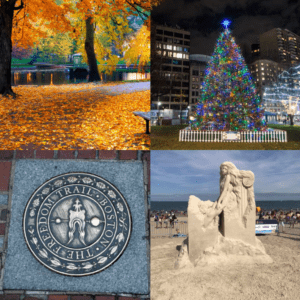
[262, 68]
[178, 55]
[263, 78]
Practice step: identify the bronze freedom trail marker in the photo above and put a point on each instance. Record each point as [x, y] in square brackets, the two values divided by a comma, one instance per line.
[77, 224]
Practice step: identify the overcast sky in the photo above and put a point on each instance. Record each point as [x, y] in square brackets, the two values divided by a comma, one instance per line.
[250, 18]
[197, 172]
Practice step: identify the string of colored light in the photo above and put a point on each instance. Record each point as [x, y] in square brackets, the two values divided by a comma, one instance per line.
[229, 100]
[280, 92]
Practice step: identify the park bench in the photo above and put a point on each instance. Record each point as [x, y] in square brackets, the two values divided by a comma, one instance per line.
[146, 116]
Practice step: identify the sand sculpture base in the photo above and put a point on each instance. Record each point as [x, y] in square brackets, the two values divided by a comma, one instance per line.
[219, 237]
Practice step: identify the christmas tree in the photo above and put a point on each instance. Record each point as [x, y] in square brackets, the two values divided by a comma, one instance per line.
[228, 100]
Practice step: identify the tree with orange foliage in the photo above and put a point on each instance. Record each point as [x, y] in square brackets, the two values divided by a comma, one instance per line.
[137, 50]
[19, 19]
[112, 15]
[16, 23]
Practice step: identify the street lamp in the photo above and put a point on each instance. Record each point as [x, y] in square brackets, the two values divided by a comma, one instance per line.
[188, 113]
[158, 114]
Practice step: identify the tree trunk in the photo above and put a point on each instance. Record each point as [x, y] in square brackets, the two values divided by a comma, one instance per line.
[6, 21]
[90, 52]
[291, 120]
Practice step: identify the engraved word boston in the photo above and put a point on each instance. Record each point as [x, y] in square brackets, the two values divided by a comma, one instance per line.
[77, 224]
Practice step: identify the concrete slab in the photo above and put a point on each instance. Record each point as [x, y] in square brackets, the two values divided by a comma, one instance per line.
[129, 274]
[3, 199]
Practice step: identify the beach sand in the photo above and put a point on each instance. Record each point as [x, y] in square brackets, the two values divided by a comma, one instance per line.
[278, 280]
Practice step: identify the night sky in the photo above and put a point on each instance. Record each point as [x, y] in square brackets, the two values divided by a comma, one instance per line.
[250, 18]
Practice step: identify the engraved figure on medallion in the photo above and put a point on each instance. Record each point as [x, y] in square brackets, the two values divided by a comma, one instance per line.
[77, 217]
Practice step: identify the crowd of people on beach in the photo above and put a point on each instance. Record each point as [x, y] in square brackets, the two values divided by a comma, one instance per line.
[166, 219]
[290, 217]
[287, 216]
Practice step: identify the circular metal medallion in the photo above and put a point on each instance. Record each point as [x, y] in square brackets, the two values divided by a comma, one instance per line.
[77, 224]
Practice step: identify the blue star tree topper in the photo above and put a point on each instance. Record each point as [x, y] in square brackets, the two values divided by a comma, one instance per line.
[226, 23]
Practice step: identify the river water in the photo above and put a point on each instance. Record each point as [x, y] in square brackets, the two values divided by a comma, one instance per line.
[42, 77]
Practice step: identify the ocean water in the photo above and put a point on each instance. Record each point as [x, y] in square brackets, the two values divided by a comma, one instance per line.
[265, 205]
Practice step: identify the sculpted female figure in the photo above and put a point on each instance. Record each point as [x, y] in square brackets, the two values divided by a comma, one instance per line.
[236, 193]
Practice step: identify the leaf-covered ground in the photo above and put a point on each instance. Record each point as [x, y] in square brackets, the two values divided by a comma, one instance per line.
[81, 116]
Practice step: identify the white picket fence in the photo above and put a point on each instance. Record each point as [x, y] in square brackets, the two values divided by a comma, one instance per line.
[274, 136]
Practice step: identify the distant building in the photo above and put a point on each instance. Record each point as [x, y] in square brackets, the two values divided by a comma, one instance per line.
[198, 63]
[255, 51]
[173, 46]
[280, 45]
[265, 72]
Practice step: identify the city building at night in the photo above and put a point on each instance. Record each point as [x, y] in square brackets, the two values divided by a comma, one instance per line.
[265, 72]
[198, 64]
[172, 46]
[280, 45]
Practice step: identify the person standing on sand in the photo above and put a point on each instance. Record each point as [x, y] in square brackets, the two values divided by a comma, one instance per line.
[165, 218]
[172, 219]
[156, 220]
[160, 220]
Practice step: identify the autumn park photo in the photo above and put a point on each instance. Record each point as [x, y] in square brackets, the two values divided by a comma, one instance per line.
[74, 74]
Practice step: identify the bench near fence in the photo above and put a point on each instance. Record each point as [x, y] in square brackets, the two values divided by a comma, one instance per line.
[274, 136]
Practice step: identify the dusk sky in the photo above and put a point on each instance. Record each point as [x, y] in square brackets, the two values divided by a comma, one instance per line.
[249, 18]
[198, 172]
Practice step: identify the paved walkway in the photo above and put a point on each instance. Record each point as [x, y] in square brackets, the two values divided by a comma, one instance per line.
[118, 89]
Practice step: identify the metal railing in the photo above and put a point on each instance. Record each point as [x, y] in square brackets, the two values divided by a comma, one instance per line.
[162, 229]
[274, 136]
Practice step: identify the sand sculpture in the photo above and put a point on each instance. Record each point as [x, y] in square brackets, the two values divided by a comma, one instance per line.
[224, 229]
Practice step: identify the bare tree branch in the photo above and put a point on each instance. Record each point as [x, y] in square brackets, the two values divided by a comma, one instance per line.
[142, 14]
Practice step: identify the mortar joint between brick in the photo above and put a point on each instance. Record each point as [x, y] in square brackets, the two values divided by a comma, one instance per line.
[140, 154]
